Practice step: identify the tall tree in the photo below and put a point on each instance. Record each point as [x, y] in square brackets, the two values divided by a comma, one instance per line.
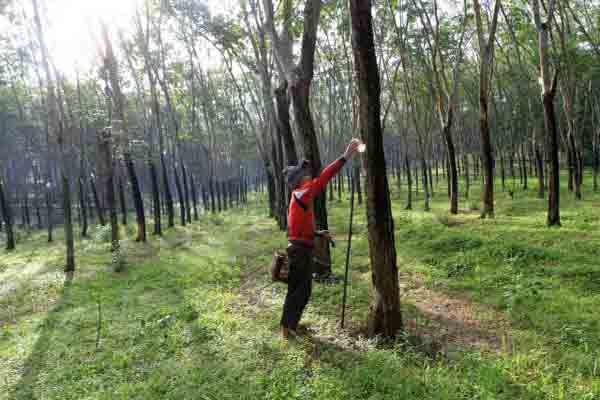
[56, 129]
[385, 316]
[548, 93]
[120, 103]
[486, 64]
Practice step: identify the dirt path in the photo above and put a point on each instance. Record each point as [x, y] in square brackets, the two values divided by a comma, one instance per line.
[453, 321]
[442, 321]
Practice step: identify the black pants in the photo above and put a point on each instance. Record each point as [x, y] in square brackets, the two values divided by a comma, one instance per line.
[299, 285]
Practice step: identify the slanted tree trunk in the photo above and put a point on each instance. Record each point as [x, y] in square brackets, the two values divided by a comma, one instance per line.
[385, 317]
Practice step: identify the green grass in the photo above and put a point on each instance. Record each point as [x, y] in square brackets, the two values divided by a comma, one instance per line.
[494, 309]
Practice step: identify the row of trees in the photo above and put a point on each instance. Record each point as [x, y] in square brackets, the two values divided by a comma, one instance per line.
[188, 97]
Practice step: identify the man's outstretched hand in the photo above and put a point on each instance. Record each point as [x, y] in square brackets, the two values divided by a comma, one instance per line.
[352, 148]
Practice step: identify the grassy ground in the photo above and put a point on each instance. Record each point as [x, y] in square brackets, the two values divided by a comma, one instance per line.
[494, 309]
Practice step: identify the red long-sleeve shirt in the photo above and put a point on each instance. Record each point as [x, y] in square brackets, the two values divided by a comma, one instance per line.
[301, 223]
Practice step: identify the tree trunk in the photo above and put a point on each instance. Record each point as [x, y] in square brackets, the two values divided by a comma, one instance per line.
[596, 163]
[553, 217]
[539, 158]
[107, 175]
[186, 193]
[467, 175]
[7, 216]
[218, 195]
[138, 201]
[168, 194]
[180, 196]
[211, 192]
[524, 169]
[225, 195]
[122, 201]
[155, 199]
[502, 172]
[385, 317]
[424, 182]
[68, 221]
[408, 183]
[487, 157]
[83, 206]
[306, 130]
[284, 128]
[452, 172]
[194, 196]
[357, 184]
[99, 206]
[49, 215]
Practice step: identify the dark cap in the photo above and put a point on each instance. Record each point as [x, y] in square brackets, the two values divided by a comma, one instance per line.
[294, 173]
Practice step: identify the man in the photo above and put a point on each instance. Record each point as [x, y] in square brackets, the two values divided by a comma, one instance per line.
[301, 233]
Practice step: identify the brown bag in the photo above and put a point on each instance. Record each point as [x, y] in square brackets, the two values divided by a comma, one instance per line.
[280, 268]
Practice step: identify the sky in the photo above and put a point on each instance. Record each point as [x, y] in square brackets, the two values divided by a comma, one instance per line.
[74, 25]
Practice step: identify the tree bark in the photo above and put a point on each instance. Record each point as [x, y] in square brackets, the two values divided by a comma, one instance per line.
[194, 197]
[156, 209]
[107, 175]
[138, 201]
[408, 183]
[385, 317]
[452, 171]
[122, 201]
[99, 206]
[168, 194]
[180, 195]
[7, 216]
[186, 193]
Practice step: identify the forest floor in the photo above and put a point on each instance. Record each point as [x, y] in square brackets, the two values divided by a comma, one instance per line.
[493, 309]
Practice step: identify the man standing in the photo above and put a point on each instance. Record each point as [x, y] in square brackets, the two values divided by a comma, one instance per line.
[301, 233]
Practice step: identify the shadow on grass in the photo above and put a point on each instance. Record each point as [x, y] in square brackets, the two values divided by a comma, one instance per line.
[35, 364]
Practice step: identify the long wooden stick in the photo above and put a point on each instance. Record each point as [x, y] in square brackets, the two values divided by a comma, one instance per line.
[348, 249]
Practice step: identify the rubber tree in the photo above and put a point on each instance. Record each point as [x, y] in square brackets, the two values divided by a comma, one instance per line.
[57, 130]
[445, 92]
[385, 317]
[120, 103]
[7, 218]
[486, 63]
[299, 78]
[548, 93]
